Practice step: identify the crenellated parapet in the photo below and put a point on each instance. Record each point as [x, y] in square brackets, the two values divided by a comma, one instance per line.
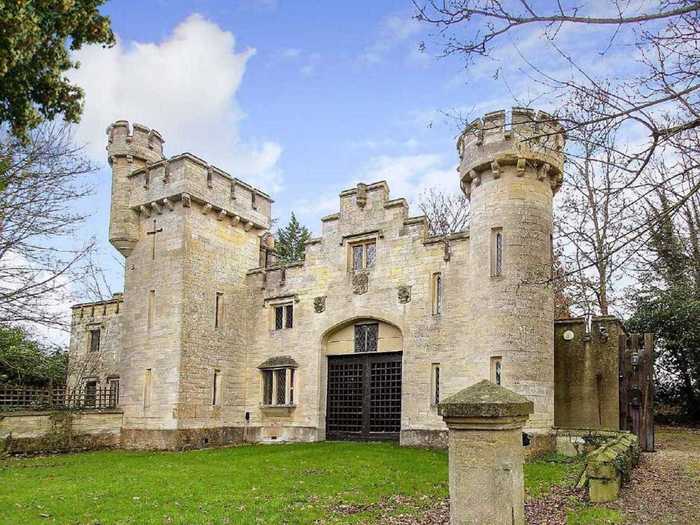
[531, 141]
[187, 179]
[136, 143]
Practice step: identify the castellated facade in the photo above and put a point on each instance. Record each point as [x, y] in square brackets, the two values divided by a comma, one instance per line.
[213, 342]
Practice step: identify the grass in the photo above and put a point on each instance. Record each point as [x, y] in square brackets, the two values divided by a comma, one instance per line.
[588, 515]
[295, 483]
[547, 471]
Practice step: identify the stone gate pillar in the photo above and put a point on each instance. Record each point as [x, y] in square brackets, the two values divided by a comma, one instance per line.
[485, 424]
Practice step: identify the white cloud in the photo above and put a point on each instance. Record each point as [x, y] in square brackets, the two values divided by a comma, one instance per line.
[306, 61]
[395, 31]
[185, 87]
[410, 175]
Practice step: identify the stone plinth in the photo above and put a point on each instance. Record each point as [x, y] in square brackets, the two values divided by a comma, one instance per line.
[486, 454]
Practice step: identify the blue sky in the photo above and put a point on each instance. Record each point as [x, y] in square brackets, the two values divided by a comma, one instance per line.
[302, 99]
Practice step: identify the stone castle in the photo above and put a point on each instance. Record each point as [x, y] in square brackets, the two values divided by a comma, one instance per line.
[213, 342]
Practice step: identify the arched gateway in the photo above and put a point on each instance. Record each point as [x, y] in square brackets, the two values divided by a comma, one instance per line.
[363, 398]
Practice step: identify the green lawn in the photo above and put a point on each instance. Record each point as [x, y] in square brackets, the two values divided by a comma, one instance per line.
[296, 483]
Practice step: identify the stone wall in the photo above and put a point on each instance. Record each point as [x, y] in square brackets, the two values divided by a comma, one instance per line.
[103, 365]
[586, 371]
[397, 293]
[59, 431]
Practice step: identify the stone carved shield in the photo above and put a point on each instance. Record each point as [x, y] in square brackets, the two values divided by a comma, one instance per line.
[360, 283]
[319, 304]
[404, 294]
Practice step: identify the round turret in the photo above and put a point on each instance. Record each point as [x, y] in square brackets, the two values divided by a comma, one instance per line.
[128, 150]
[510, 174]
[533, 143]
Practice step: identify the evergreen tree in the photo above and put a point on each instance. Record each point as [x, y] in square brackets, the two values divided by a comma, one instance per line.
[36, 39]
[25, 361]
[289, 241]
[669, 306]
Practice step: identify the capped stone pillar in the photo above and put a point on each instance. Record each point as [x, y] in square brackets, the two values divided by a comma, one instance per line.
[485, 424]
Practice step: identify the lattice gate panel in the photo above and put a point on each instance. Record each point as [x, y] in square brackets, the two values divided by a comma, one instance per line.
[364, 396]
[385, 397]
[345, 397]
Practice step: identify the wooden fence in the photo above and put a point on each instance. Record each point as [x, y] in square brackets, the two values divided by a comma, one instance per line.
[58, 398]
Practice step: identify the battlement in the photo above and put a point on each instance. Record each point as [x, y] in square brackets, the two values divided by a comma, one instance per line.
[137, 141]
[187, 178]
[529, 138]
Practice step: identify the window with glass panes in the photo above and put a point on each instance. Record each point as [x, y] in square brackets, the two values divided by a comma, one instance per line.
[364, 255]
[366, 336]
[278, 386]
[284, 316]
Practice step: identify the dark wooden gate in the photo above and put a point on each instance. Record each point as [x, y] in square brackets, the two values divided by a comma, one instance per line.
[364, 396]
[637, 387]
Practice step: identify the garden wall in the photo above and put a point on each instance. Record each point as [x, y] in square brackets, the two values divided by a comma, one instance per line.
[586, 373]
[59, 431]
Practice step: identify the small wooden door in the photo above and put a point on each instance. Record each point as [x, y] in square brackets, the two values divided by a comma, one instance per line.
[636, 353]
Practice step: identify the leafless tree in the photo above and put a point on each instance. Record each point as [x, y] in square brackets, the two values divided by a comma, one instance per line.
[596, 212]
[630, 109]
[42, 181]
[446, 212]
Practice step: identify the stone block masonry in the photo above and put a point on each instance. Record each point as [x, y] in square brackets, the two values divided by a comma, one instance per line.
[207, 316]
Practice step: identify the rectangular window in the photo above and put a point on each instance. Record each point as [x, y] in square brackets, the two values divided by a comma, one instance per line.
[216, 387]
[366, 336]
[281, 386]
[289, 316]
[219, 310]
[278, 386]
[95, 340]
[496, 252]
[253, 201]
[291, 386]
[267, 387]
[284, 316]
[113, 391]
[147, 388]
[435, 385]
[364, 255]
[90, 393]
[437, 293]
[151, 308]
[496, 370]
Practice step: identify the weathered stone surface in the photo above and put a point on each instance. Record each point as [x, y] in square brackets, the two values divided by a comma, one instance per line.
[59, 431]
[485, 399]
[486, 455]
[167, 329]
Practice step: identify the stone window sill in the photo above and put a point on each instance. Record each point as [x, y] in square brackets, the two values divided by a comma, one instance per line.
[277, 410]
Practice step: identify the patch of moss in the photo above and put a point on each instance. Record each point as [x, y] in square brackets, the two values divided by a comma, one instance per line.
[590, 515]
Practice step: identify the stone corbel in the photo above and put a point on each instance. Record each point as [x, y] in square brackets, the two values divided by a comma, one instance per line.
[186, 200]
[156, 207]
[221, 215]
[235, 220]
[479, 132]
[248, 226]
[476, 177]
[520, 167]
[495, 169]
[144, 211]
[168, 204]
[206, 208]
[543, 172]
